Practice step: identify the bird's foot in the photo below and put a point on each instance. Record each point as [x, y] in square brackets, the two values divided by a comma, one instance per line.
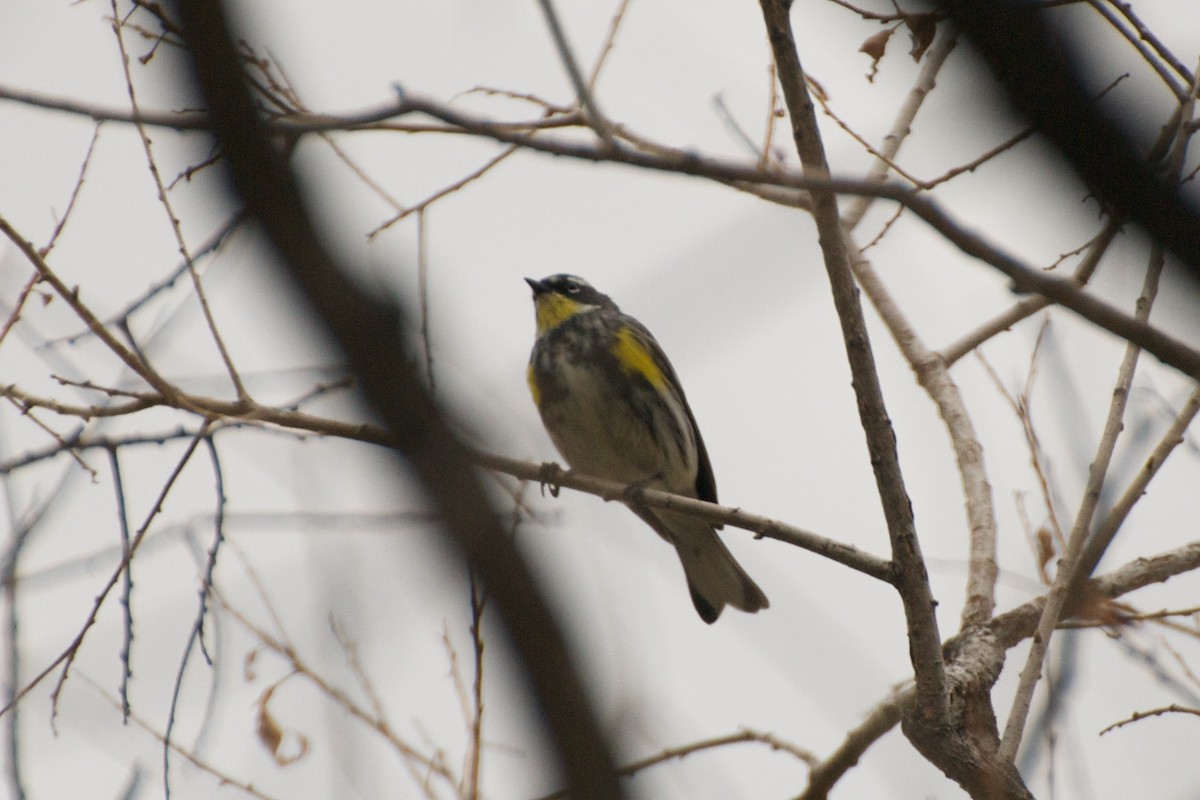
[634, 493]
[550, 477]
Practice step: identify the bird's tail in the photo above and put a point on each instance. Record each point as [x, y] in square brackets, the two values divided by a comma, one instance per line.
[714, 577]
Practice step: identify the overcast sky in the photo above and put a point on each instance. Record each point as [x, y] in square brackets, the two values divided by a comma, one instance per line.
[325, 533]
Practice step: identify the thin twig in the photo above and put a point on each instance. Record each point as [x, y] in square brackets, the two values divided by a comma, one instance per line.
[610, 39]
[433, 765]
[75, 192]
[18, 306]
[1149, 47]
[935, 59]
[478, 596]
[1155, 712]
[26, 409]
[196, 634]
[420, 207]
[1029, 306]
[1069, 574]
[1022, 406]
[765, 153]
[587, 101]
[209, 245]
[165, 200]
[71, 297]
[114, 461]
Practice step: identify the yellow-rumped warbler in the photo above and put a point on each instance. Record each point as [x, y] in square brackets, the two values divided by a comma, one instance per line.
[613, 407]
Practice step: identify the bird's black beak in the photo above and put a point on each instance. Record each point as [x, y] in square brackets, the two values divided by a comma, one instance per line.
[537, 286]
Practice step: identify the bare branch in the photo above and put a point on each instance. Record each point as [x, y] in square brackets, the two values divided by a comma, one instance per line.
[911, 579]
[1029, 306]
[933, 375]
[552, 475]
[879, 721]
[587, 101]
[114, 461]
[1102, 537]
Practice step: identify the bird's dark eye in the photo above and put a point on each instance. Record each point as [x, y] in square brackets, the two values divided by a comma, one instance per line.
[572, 287]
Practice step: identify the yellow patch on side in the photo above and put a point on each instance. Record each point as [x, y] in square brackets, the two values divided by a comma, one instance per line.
[634, 356]
[554, 309]
[533, 387]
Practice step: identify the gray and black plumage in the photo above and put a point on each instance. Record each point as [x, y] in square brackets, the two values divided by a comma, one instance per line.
[614, 408]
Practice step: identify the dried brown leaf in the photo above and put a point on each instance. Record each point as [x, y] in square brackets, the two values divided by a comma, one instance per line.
[271, 734]
[921, 27]
[874, 46]
[1096, 607]
[1045, 552]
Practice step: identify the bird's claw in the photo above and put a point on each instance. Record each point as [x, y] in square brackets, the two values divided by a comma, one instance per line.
[634, 493]
[550, 477]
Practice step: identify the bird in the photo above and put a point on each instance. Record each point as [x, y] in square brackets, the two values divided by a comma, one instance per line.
[614, 408]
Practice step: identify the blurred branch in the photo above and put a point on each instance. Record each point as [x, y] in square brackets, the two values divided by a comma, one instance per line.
[1022, 46]
[366, 328]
